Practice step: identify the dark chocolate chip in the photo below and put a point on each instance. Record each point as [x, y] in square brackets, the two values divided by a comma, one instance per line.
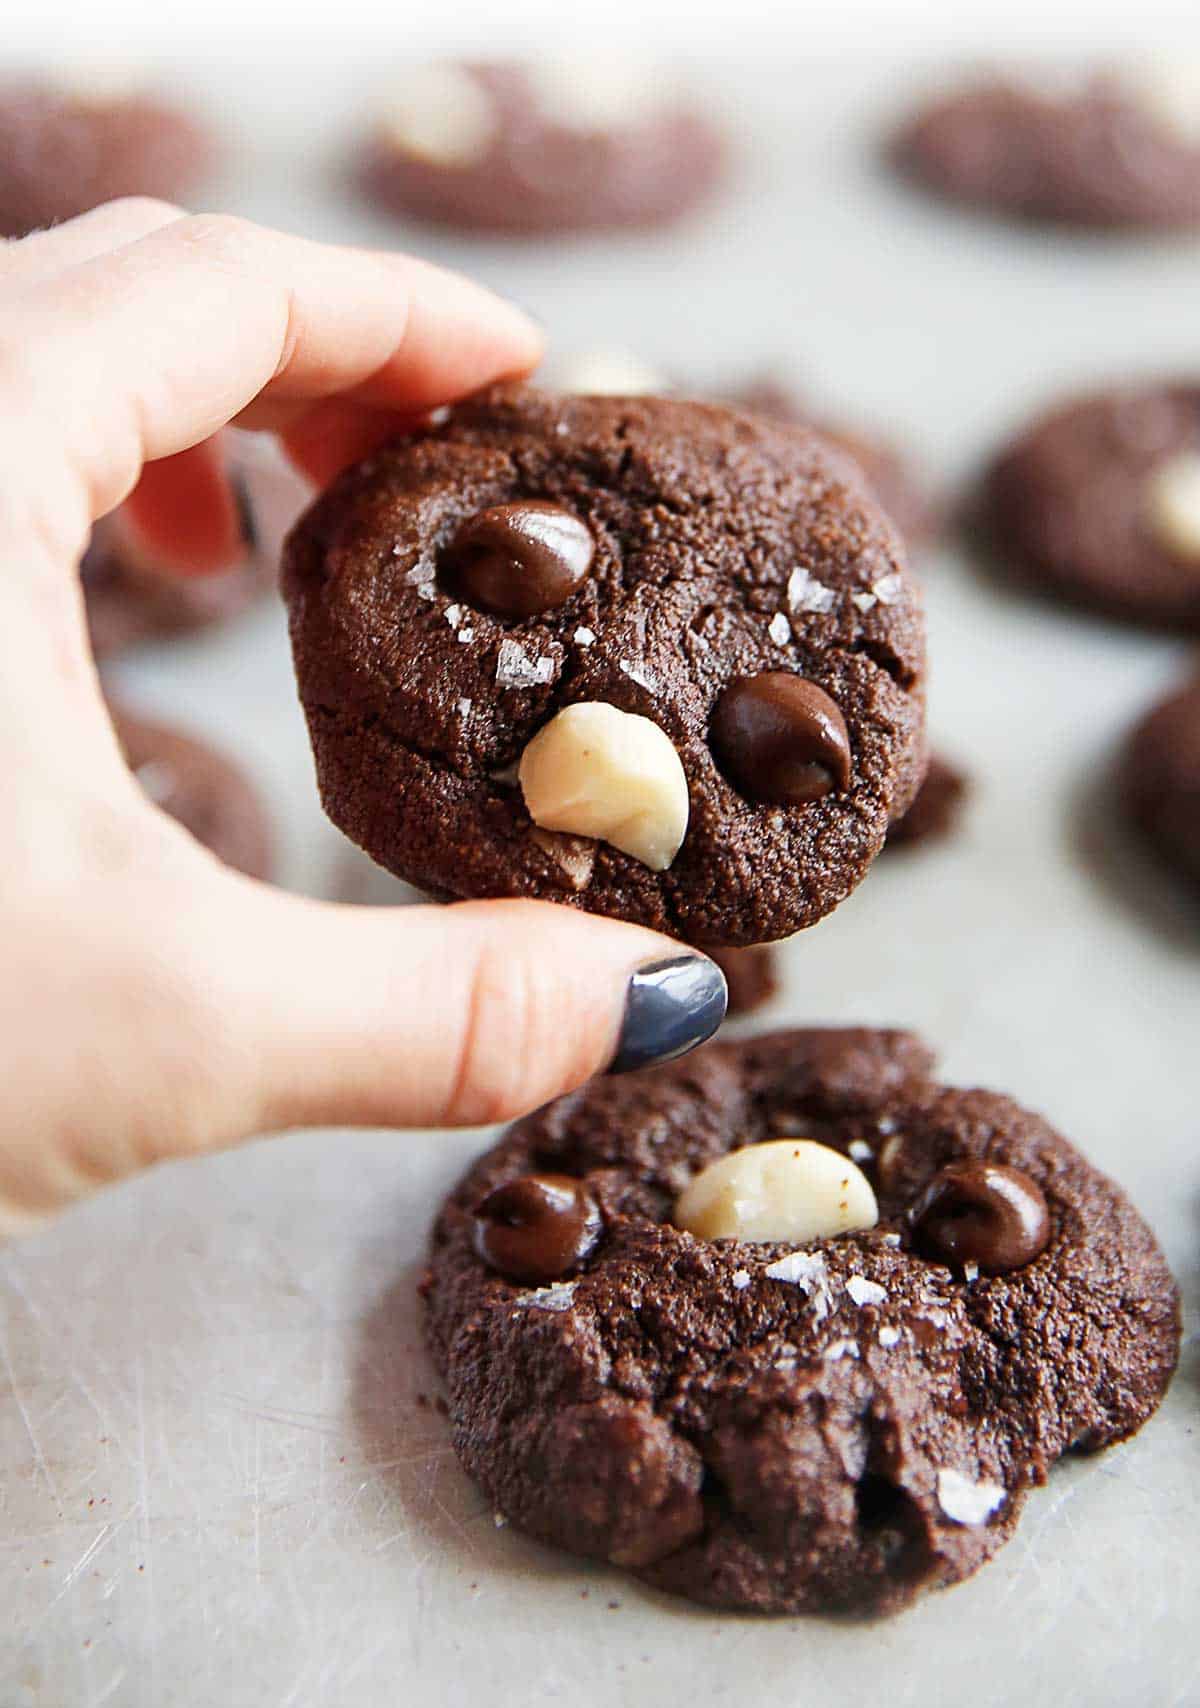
[982, 1213]
[781, 739]
[519, 559]
[537, 1227]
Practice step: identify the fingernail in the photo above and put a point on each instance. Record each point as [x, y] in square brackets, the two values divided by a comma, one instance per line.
[244, 504]
[670, 1007]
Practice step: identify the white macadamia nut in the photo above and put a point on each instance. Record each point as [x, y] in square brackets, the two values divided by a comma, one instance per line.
[595, 770]
[1173, 505]
[785, 1189]
[441, 114]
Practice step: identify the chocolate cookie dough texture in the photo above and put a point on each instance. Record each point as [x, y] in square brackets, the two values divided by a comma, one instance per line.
[201, 789]
[1098, 500]
[1113, 149]
[788, 1326]
[653, 659]
[1160, 780]
[68, 143]
[542, 147]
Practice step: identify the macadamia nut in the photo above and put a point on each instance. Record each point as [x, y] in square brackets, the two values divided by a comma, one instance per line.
[785, 1189]
[1173, 505]
[595, 770]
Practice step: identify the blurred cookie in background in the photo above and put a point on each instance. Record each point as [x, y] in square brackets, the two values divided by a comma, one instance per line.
[201, 789]
[130, 600]
[936, 808]
[1098, 501]
[542, 147]
[892, 478]
[1113, 148]
[69, 141]
[1160, 780]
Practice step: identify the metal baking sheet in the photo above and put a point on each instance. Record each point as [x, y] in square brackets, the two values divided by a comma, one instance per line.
[222, 1475]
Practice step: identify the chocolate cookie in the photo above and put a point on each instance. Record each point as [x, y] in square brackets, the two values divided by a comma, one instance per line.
[652, 659]
[66, 147]
[1118, 149]
[890, 475]
[1160, 779]
[205, 792]
[832, 1420]
[1099, 501]
[543, 147]
[935, 809]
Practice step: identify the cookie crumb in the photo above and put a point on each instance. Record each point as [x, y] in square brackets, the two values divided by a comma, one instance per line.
[965, 1502]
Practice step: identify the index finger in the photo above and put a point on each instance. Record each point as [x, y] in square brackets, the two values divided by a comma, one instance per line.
[142, 352]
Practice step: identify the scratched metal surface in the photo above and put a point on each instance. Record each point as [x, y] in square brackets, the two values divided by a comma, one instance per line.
[221, 1480]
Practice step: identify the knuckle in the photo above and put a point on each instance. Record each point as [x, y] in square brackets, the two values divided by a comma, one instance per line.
[502, 1038]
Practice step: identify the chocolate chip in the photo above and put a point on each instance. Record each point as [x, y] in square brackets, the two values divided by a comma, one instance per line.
[982, 1213]
[519, 559]
[537, 1227]
[781, 739]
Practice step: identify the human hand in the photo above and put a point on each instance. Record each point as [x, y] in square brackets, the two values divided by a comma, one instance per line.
[152, 1002]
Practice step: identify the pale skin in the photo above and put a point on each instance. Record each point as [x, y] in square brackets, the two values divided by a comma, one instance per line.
[154, 1004]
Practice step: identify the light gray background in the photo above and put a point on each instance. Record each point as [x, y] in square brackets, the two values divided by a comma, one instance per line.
[218, 1481]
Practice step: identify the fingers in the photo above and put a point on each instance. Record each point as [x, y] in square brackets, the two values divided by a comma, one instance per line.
[184, 512]
[143, 352]
[44, 253]
[447, 1016]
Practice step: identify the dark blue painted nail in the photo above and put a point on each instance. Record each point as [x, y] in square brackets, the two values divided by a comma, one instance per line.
[670, 1007]
[244, 504]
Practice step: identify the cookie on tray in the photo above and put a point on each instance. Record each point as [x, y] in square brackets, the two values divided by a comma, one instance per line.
[1160, 780]
[653, 659]
[751, 977]
[1098, 501]
[543, 147]
[935, 809]
[1113, 149]
[68, 144]
[789, 1326]
[201, 789]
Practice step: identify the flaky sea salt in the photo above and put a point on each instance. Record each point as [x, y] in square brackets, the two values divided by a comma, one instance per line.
[466, 634]
[970, 1272]
[888, 589]
[740, 1279]
[809, 1272]
[888, 1335]
[584, 636]
[860, 1151]
[515, 669]
[965, 1502]
[806, 593]
[864, 602]
[464, 707]
[779, 629]
[556, 1298]
[842, 1349]
[420, 576]
[499, 1520]
[865, 1292]
[453, 615]
[637, 673]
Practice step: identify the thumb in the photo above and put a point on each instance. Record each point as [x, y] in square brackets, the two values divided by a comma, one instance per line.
[446, 1016]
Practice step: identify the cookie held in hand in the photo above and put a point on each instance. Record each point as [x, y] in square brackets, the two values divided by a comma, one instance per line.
[897, 1305]
[653, 659]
